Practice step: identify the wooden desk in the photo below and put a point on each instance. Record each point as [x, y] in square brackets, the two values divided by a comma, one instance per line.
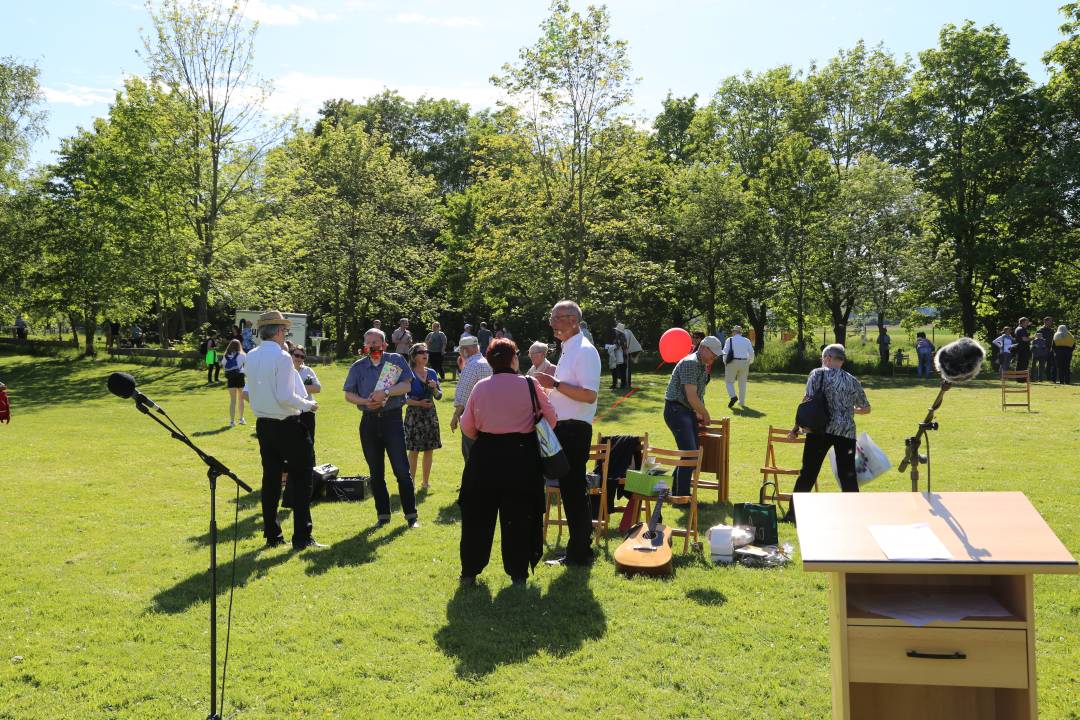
[983, 667]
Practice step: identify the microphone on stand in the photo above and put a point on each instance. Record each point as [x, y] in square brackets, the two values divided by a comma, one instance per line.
[122, 384]
[958, 362]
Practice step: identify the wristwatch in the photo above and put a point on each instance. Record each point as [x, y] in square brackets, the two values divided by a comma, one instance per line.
[556, 384]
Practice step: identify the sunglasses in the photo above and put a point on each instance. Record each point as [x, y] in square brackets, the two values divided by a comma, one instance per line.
[299, 355]
[420, 352]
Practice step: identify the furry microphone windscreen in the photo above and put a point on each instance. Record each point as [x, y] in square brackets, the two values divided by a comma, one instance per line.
[960, 360]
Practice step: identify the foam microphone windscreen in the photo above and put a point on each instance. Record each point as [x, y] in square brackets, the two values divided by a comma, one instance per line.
[960, 360]
[122, 384]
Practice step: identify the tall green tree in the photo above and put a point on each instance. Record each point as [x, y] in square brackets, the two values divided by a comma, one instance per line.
[358, 218]
[203, 51]
[964, 131]
[569, 87]
[21, 119]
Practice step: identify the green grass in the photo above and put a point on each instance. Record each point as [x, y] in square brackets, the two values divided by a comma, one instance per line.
[103, 525]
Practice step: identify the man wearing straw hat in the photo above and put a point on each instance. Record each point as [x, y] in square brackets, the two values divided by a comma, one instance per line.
[277, 397]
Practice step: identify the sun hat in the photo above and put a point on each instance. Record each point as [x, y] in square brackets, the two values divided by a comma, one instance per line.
[469, 341]
[274, 317]
[538, 347]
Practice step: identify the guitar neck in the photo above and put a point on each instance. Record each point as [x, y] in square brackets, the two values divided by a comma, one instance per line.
[654, 519]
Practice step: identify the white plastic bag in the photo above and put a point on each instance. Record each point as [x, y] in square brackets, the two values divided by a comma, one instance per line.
[870, 460]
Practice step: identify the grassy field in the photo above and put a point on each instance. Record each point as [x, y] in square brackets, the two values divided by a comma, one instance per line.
[103, 525]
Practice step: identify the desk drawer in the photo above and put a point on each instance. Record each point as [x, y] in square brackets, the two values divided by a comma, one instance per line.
[973, 657]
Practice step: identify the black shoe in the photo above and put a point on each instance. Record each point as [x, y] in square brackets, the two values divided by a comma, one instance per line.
[309, 543]
[518, 582]
[467, 581]
[413, 524]
[381, 522]
[731, 402]
[274, 542]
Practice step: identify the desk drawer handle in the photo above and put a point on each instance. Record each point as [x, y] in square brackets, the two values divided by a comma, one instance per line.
[937, 656]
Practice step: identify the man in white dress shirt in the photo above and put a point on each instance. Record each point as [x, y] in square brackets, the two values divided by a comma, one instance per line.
[573, 389]
[738, 355]
[277, 397]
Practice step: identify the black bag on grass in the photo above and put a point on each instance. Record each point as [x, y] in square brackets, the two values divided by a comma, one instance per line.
[759, 516]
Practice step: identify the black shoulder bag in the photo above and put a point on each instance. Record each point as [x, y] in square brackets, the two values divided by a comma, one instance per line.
[813, 413]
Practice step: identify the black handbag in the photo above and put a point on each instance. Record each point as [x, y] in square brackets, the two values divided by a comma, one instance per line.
[552, 456]
[813, 413]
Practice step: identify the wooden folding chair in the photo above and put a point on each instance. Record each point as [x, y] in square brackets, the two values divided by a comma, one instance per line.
[600, 453]
[616, 482]
[772, 471]
[714, 439]
[676, 459]
[1010, 385]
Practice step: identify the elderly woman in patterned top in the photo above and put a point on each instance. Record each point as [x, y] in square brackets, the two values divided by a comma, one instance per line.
[845, 398]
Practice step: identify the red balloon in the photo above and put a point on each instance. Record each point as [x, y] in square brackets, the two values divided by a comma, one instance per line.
[675, 344]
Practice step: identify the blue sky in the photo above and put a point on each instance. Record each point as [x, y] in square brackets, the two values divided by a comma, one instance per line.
[316, 49]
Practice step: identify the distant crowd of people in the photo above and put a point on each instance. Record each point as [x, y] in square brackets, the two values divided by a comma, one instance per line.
[1046, 353]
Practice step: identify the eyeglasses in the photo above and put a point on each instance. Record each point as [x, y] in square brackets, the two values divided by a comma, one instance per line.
[556, 317]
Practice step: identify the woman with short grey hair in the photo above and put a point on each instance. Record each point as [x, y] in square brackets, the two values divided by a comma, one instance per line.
[845, 398]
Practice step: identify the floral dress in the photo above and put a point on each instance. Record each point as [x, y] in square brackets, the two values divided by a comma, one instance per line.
[422, 424]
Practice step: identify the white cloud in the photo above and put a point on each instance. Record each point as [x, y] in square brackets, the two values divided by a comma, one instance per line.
[268, 13]
[79, 95]
[306, 93]
[414, 18]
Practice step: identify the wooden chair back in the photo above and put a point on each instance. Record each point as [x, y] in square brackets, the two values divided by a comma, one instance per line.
[1015, 382]
[679, 459]
[714, 439]
[771, 471]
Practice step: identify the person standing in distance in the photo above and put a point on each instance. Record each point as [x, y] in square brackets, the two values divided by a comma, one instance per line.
[381, 429]
[573, 389]
[738, 355]
[436, 345]
[474, 369]
[274, 390]
[402, 338]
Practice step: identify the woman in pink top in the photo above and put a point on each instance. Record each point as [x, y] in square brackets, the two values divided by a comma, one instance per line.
[502, 476]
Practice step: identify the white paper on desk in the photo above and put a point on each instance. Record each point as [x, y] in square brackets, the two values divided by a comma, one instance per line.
[909, 542]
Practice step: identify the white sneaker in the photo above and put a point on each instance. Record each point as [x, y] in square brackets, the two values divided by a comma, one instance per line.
[243, 421]
[232, 423]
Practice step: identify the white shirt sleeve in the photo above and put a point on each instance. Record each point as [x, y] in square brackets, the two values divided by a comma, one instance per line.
[588, 370]
[284, 387]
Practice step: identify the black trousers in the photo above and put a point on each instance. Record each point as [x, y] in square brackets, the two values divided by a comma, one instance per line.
[285, 443]
[213, 372]
[435, 361]
[814, 452]
[1063, 361]
[575, 437]
[1023, 356]
[502, 480]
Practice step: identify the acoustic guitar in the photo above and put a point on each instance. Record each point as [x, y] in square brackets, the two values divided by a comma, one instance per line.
[647, 549]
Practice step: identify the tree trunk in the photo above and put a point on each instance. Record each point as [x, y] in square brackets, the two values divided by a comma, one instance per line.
[757, 321]
[89, 329]
[74, 329]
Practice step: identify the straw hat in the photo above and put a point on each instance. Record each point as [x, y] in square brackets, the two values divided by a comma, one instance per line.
[274, 317]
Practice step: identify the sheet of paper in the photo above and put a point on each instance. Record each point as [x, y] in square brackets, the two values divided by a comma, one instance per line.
[924, 606]
[909, 542]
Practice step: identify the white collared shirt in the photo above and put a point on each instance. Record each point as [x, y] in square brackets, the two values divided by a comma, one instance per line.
[742, 347]
[578, 365]
[273, 386]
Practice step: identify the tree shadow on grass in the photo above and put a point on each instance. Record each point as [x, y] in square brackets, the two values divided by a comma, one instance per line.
[357, 550]
[48, 383]
[196, 589]
[484, 632]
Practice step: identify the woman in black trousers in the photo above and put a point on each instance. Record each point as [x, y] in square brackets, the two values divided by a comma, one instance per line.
[845, 398]
[503, 478]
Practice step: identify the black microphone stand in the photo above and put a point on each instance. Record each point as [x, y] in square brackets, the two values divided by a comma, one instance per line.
[912, 456]
[214, 469]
